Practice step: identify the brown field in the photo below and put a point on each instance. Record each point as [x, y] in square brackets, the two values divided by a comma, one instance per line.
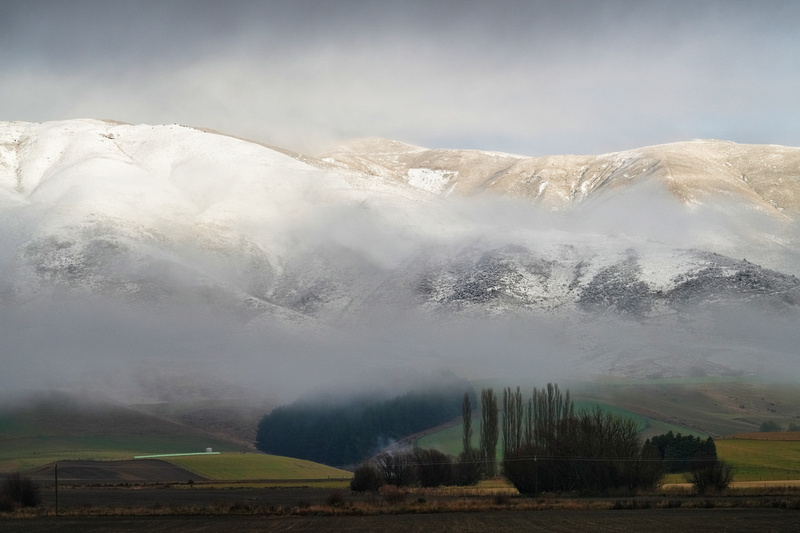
[771, 435]
[556, 521]
[114, 499]
[106, 472]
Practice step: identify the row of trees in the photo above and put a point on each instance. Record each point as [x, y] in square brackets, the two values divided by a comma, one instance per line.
[547, 446]
[768, 426]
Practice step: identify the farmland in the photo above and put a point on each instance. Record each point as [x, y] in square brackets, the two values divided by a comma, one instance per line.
[59, 427]
[561, 521]
[251, 466]
[488, 507]
[769, 457]
[62, 428]
[237, 489]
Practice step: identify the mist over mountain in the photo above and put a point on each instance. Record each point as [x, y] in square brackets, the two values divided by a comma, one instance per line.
[134, 255]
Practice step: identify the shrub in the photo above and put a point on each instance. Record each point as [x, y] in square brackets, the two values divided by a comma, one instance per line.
[396, 468]
[366, 478]
[501, 499]
[768, 426]
[392, 494]
[522, 469]
[6, 505]
[335, 499]
[21, 491]
[712, 476]
[468, 468]
[434, 468]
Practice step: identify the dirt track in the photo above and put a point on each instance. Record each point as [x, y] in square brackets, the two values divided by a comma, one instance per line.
[695, 520]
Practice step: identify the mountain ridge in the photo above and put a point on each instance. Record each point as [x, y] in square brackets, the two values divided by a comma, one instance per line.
[182, 220]
[694, 162]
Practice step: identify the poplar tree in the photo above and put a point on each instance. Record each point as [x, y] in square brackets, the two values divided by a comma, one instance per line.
[512, 420]
[489, 431]
[468, 468]
[466, 418]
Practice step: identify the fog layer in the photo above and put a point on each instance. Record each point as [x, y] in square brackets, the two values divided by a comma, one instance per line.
[160, 263]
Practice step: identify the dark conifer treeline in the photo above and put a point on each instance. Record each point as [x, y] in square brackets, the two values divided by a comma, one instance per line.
[346, 433]
[684, 453]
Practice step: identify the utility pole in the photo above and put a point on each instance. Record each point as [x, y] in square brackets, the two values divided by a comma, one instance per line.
[56, 485]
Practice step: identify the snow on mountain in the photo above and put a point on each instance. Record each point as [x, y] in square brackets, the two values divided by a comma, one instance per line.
[655, 239]
[764, 177]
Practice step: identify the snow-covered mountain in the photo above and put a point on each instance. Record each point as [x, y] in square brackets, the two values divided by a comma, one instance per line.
[764, 177]
[167, 216]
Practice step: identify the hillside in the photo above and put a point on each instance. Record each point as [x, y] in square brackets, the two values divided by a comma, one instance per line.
[695, 172]
[133, 251]
[38, 429]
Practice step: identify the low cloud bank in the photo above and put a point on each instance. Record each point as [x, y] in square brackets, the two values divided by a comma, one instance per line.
[189, 342]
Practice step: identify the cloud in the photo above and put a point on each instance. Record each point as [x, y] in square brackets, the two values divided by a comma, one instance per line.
[186, 332]
[533, 78]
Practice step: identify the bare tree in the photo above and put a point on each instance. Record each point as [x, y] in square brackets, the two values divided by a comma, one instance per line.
[713, 476]
[396, 468]
[20, 491]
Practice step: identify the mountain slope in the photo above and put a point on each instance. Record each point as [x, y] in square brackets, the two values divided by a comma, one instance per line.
[162, 247]
[50, 426]
[764, 177]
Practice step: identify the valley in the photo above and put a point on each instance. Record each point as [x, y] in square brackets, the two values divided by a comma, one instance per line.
[176, 285]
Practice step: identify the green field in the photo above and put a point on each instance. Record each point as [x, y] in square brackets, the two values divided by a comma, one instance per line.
[761, 460]
[252, 466]
[59, 427]
[24, 453]
[756, 460]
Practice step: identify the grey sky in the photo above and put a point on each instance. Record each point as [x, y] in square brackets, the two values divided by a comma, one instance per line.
[535, 77]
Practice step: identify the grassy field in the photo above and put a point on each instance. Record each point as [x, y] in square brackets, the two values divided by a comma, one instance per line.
[251, 466]
[708, 406]
[769, 457]
[24, 453]
[756, 460]
[58, 427]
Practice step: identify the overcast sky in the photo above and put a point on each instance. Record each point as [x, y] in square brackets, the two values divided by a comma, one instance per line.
[529, 77]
